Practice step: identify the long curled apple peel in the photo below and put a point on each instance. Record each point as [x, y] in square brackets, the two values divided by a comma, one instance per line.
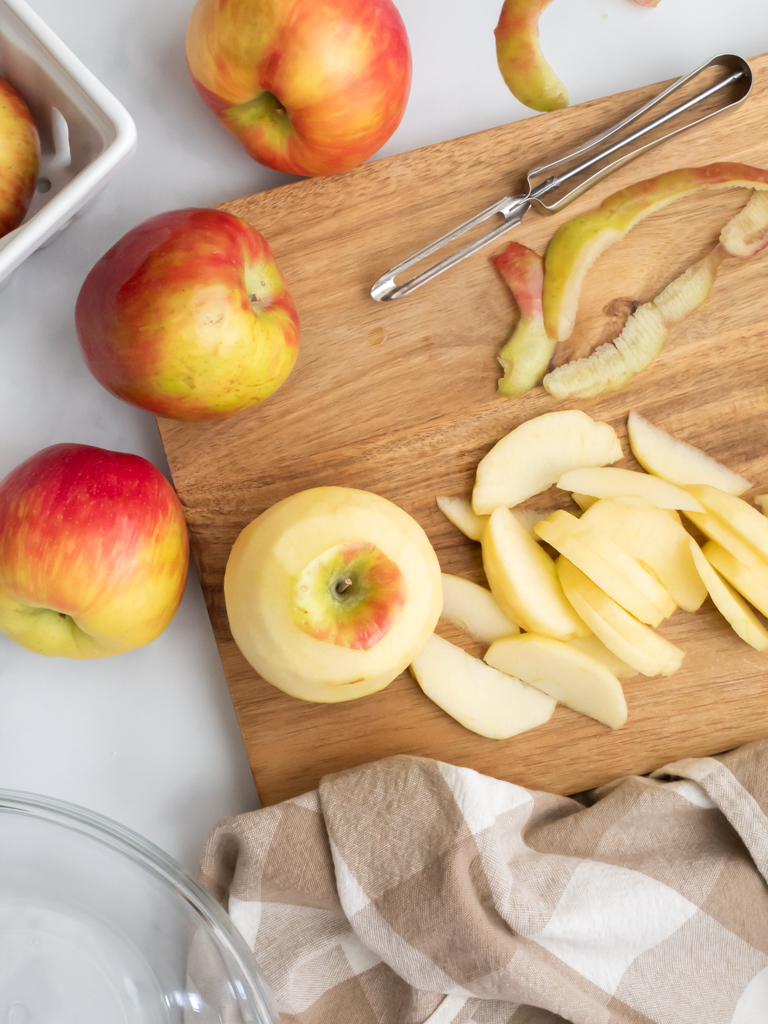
[576, 245]
[613, 365]
[526, 355]
[746, 234]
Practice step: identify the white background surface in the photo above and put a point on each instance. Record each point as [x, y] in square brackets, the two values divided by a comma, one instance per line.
[150, 738]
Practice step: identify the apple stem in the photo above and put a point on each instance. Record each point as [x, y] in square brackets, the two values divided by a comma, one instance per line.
[343, 585]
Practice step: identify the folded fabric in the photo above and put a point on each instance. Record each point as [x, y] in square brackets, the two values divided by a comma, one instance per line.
[409, 891]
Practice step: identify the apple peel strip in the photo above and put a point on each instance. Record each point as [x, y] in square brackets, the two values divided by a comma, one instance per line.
[612, 365]
[527, 73]
[577, 244]
[526, 355]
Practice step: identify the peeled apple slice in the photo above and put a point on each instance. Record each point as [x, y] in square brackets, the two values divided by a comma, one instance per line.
[616, 573]
[536, 454]
[610, 482]
[751, 581]
[526, 355]
[596, 649]
[584, 501]
[613, 364]
[717, 530]
[473, 609]
[762, 501]
[676, 461]
[746, 234]
[523, 580]
[621, 632]
[559, 670]
[659, 542]
[745, 520]
[459, 512]
[729, 604]
[577, 244]
[479, 697]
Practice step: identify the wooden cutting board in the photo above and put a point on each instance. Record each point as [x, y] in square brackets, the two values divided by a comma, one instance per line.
[401, 399]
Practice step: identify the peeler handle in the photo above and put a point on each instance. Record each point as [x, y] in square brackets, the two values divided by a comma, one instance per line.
[610, 142]
[558, 173]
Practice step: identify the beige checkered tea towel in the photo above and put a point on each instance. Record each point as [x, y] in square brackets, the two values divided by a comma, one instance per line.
[409, 891]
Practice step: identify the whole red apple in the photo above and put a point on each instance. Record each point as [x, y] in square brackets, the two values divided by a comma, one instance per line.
[93, 552]
[19, 158]
[188, 316]
[307, 86]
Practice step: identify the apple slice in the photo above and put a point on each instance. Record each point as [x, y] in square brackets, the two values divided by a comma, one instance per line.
[611, 482]
[584, 501]
[473, 609]
[613, 364]
[723, 534]
[524, 582]
[577, 244]
[536, 454]
[559, 670]
[621, 632]
[746, 234]
[615, 572]
[529, 77]
[479, 697]
[676, 461]
[459, 512]
[751, 580]
[726, 600]
[762, 501]
[657, 539]
[746, 521]
[596, 649]
[526, 355]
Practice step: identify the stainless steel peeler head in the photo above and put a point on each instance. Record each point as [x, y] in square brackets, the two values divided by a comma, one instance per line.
[568, 177]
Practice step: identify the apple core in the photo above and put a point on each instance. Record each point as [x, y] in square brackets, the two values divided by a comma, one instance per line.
[351, 595]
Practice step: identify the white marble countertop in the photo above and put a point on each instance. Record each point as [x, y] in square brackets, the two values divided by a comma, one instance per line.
[150, 738]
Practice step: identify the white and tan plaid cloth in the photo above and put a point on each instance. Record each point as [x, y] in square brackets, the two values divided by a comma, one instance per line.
[409, 891]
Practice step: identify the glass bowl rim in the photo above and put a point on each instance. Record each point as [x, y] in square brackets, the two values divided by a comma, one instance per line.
[252, 988]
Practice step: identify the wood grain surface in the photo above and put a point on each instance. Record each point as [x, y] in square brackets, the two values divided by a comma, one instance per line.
[401, 399]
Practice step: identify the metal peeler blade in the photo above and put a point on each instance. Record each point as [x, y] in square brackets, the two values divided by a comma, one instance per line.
[559, 172]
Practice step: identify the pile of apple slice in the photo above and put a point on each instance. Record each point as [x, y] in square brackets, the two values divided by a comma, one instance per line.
[621, 565]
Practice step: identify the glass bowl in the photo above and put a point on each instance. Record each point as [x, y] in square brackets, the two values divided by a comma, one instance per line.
[98, 926]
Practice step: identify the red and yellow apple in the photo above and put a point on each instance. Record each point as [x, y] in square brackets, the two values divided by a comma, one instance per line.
[577, 244]
[332, 592]
[189, 317]
[93, 552]
[307, 86]
[19, 158]
[526, 355]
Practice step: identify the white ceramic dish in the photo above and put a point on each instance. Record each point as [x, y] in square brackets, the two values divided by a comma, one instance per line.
[85, 134]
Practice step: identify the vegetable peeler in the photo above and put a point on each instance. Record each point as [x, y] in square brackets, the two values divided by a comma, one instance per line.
[595, 163]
